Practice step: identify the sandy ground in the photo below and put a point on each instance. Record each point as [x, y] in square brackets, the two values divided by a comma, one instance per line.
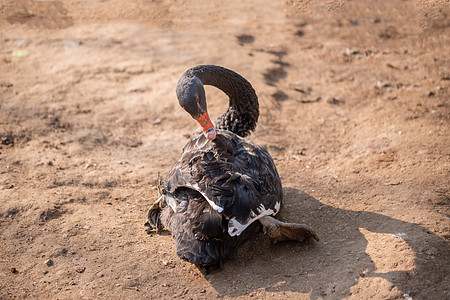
[354, 100]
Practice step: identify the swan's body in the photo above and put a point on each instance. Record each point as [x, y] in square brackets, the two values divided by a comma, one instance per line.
[223, 184]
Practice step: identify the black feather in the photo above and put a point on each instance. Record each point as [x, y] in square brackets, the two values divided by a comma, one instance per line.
[221, 171]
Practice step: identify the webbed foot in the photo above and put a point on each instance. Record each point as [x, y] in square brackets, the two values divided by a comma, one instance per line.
[281, 231]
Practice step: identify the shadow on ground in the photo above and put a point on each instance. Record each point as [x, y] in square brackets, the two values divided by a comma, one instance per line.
[324, 269]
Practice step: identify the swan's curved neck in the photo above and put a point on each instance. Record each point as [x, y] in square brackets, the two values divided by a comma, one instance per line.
[243, 111]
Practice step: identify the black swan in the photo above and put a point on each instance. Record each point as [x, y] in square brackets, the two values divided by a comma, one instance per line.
[222, 183]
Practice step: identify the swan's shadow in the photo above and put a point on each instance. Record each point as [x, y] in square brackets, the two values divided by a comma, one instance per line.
[331, 267]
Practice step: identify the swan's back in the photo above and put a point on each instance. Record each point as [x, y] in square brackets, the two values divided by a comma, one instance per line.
[221, 187]
[235, 174]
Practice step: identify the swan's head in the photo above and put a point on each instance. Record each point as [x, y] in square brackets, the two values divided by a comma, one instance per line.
[192, 98]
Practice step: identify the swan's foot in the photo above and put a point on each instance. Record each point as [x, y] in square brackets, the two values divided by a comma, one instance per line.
[280, 231]
[154, 217]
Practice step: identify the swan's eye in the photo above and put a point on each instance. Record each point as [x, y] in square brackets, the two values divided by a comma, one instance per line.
[198, 104]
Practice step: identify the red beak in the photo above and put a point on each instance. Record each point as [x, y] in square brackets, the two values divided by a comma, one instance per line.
[207, 126]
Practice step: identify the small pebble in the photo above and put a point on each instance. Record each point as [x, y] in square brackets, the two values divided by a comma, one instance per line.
[20, 43]
[166, 262]
[49, 263]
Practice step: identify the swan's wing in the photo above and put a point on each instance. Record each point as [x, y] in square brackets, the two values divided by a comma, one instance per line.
[236, 177]
[185, 173]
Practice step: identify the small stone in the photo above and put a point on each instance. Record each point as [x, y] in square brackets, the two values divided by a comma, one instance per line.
[14, 270]
[73, 44]
[49, 263]
[335, 101]
[20, 43]
[7, 139]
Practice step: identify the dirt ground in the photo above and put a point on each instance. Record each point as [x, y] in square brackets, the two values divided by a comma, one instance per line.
[354, 99]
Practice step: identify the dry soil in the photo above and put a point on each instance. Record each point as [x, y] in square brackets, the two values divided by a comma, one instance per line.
[354, 99]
